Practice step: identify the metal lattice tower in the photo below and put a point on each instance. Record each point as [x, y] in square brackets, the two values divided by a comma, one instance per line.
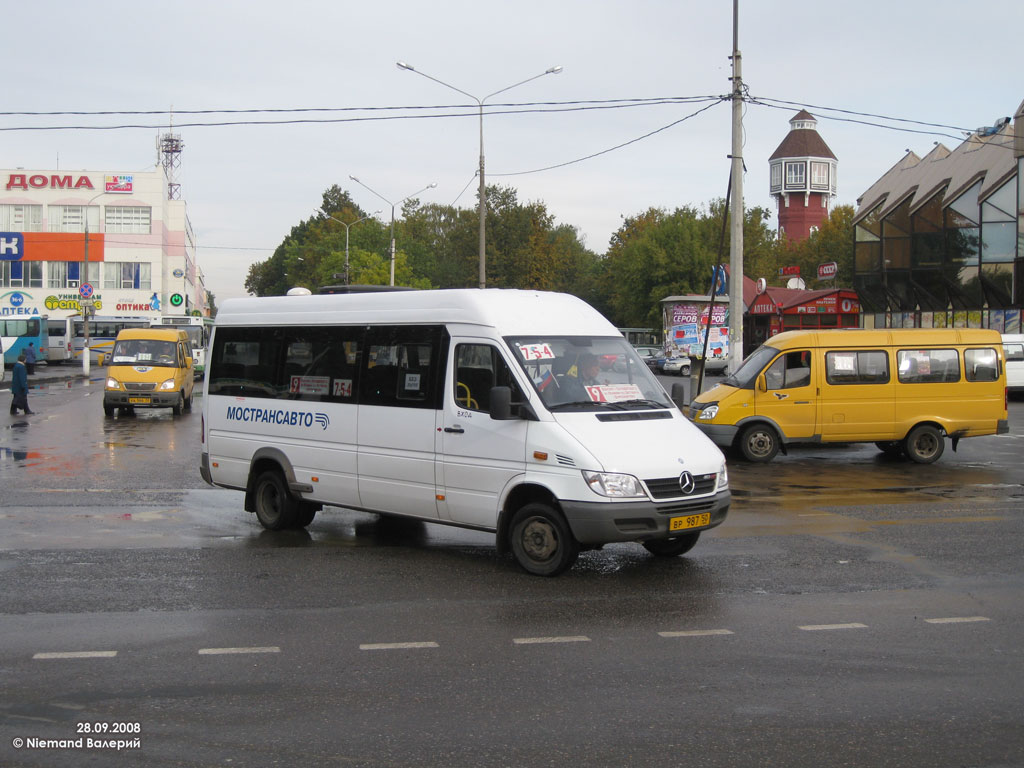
[170, 146]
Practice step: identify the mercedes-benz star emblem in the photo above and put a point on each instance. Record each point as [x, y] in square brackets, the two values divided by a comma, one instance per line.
[686, 483]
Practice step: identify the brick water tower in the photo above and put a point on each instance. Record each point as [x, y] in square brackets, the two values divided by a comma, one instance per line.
[803, 178]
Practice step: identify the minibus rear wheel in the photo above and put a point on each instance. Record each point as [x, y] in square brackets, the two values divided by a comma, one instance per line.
[275, 508]
[674, 547]
[759, 443]
[541, 540]
[924, 444]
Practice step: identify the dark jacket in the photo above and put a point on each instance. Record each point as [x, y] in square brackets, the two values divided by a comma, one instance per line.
[19, 382]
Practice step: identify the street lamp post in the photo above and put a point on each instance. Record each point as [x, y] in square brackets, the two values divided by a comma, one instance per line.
[349, 226]
[86, 351]
[431, 185]
[482, 197]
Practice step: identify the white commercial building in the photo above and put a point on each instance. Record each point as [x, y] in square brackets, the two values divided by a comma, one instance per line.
[110, 236]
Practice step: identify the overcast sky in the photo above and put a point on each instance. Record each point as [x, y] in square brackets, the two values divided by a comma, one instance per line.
[246, 186]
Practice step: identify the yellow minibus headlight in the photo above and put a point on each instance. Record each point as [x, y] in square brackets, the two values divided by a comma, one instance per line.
[169, 384]
[113, 383]
[613, 485]
[707, 414]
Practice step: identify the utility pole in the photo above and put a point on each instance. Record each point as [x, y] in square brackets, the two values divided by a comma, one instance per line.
[736, 229]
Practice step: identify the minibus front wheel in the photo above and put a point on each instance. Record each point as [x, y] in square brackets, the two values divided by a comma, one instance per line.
[541, 540]
[924, 444]
[759, 443]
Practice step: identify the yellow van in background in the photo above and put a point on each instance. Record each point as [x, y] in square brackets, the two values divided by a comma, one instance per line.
[149, 368]
[903, 389]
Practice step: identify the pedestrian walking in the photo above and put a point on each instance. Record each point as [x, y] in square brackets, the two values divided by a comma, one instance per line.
[19, 387]
[30, 359]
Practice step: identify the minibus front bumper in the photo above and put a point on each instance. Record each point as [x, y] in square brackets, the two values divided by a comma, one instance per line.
[608, 522]
[117, 399]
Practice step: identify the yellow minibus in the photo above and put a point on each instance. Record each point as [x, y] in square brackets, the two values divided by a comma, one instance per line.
[149, 368]
[903, 389]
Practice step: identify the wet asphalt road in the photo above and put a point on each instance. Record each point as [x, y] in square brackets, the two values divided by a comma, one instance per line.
[852, 610]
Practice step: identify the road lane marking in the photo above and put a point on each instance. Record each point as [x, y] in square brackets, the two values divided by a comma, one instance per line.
[395, 646]
[826, 627]
[696, 633]
[541, 640]
[76, 655]
[255, 649]
[958, 620]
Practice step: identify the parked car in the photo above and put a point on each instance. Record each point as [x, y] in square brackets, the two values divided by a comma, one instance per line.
[650, 356]
[674, 366]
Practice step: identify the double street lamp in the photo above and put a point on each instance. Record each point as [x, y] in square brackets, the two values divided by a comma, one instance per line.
[482, 202]
[349, 226]
[431, 185]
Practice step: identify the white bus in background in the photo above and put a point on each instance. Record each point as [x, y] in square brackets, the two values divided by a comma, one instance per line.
[483, 409]
[62, 333]
[1013, 351]
[198, 330]
[102, 333]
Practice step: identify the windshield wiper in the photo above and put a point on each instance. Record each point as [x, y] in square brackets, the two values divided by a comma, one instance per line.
[643, 401]
[578, 403]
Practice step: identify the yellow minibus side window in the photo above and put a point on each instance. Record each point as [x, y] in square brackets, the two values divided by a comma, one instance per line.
[981, 364]
[849, 366]
[927, 366]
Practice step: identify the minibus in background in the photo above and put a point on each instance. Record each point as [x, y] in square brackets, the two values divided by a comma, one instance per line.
[198, 329]
[472, 408]
[905, 390]
[16, 333]
[102, 333]
[60, 334]
[1013, 350]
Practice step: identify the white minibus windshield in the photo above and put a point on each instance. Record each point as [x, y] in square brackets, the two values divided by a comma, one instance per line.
[588, 373]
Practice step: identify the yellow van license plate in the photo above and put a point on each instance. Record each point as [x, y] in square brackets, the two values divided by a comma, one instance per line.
[138, 400]
[692, 521]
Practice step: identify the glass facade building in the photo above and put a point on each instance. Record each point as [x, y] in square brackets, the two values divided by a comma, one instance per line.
[938, 240]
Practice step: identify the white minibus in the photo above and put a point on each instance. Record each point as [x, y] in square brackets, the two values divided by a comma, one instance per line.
[1013, 351]
[484, 409]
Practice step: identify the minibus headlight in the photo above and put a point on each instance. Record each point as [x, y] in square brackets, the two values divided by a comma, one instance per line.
[113, 384]
[708, 413]
[614, 485]
[169, 384]
[723, 478]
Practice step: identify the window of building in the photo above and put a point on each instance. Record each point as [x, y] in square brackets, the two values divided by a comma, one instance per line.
[127, 274]
[796, 174]
[129, 219]
[56, 274]
[72, 218]
[819, 175]
[776, 175]
[21, 218]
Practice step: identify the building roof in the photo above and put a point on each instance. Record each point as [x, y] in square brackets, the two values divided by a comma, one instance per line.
[988, 158]
[802, 142]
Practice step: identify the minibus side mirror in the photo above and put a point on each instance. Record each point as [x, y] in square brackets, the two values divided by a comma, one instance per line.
[188, 362]
[762, 384]
[501, 408]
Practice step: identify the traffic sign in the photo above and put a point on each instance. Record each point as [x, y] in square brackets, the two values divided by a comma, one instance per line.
[85, 290]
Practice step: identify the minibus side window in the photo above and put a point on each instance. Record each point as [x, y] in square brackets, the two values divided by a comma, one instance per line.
[850, 366]
[981, 364]
[321, 363]
[792, 369]
[1013, 352]
[244, 362]
[927, 366]
[478, 367]
[403, 365]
